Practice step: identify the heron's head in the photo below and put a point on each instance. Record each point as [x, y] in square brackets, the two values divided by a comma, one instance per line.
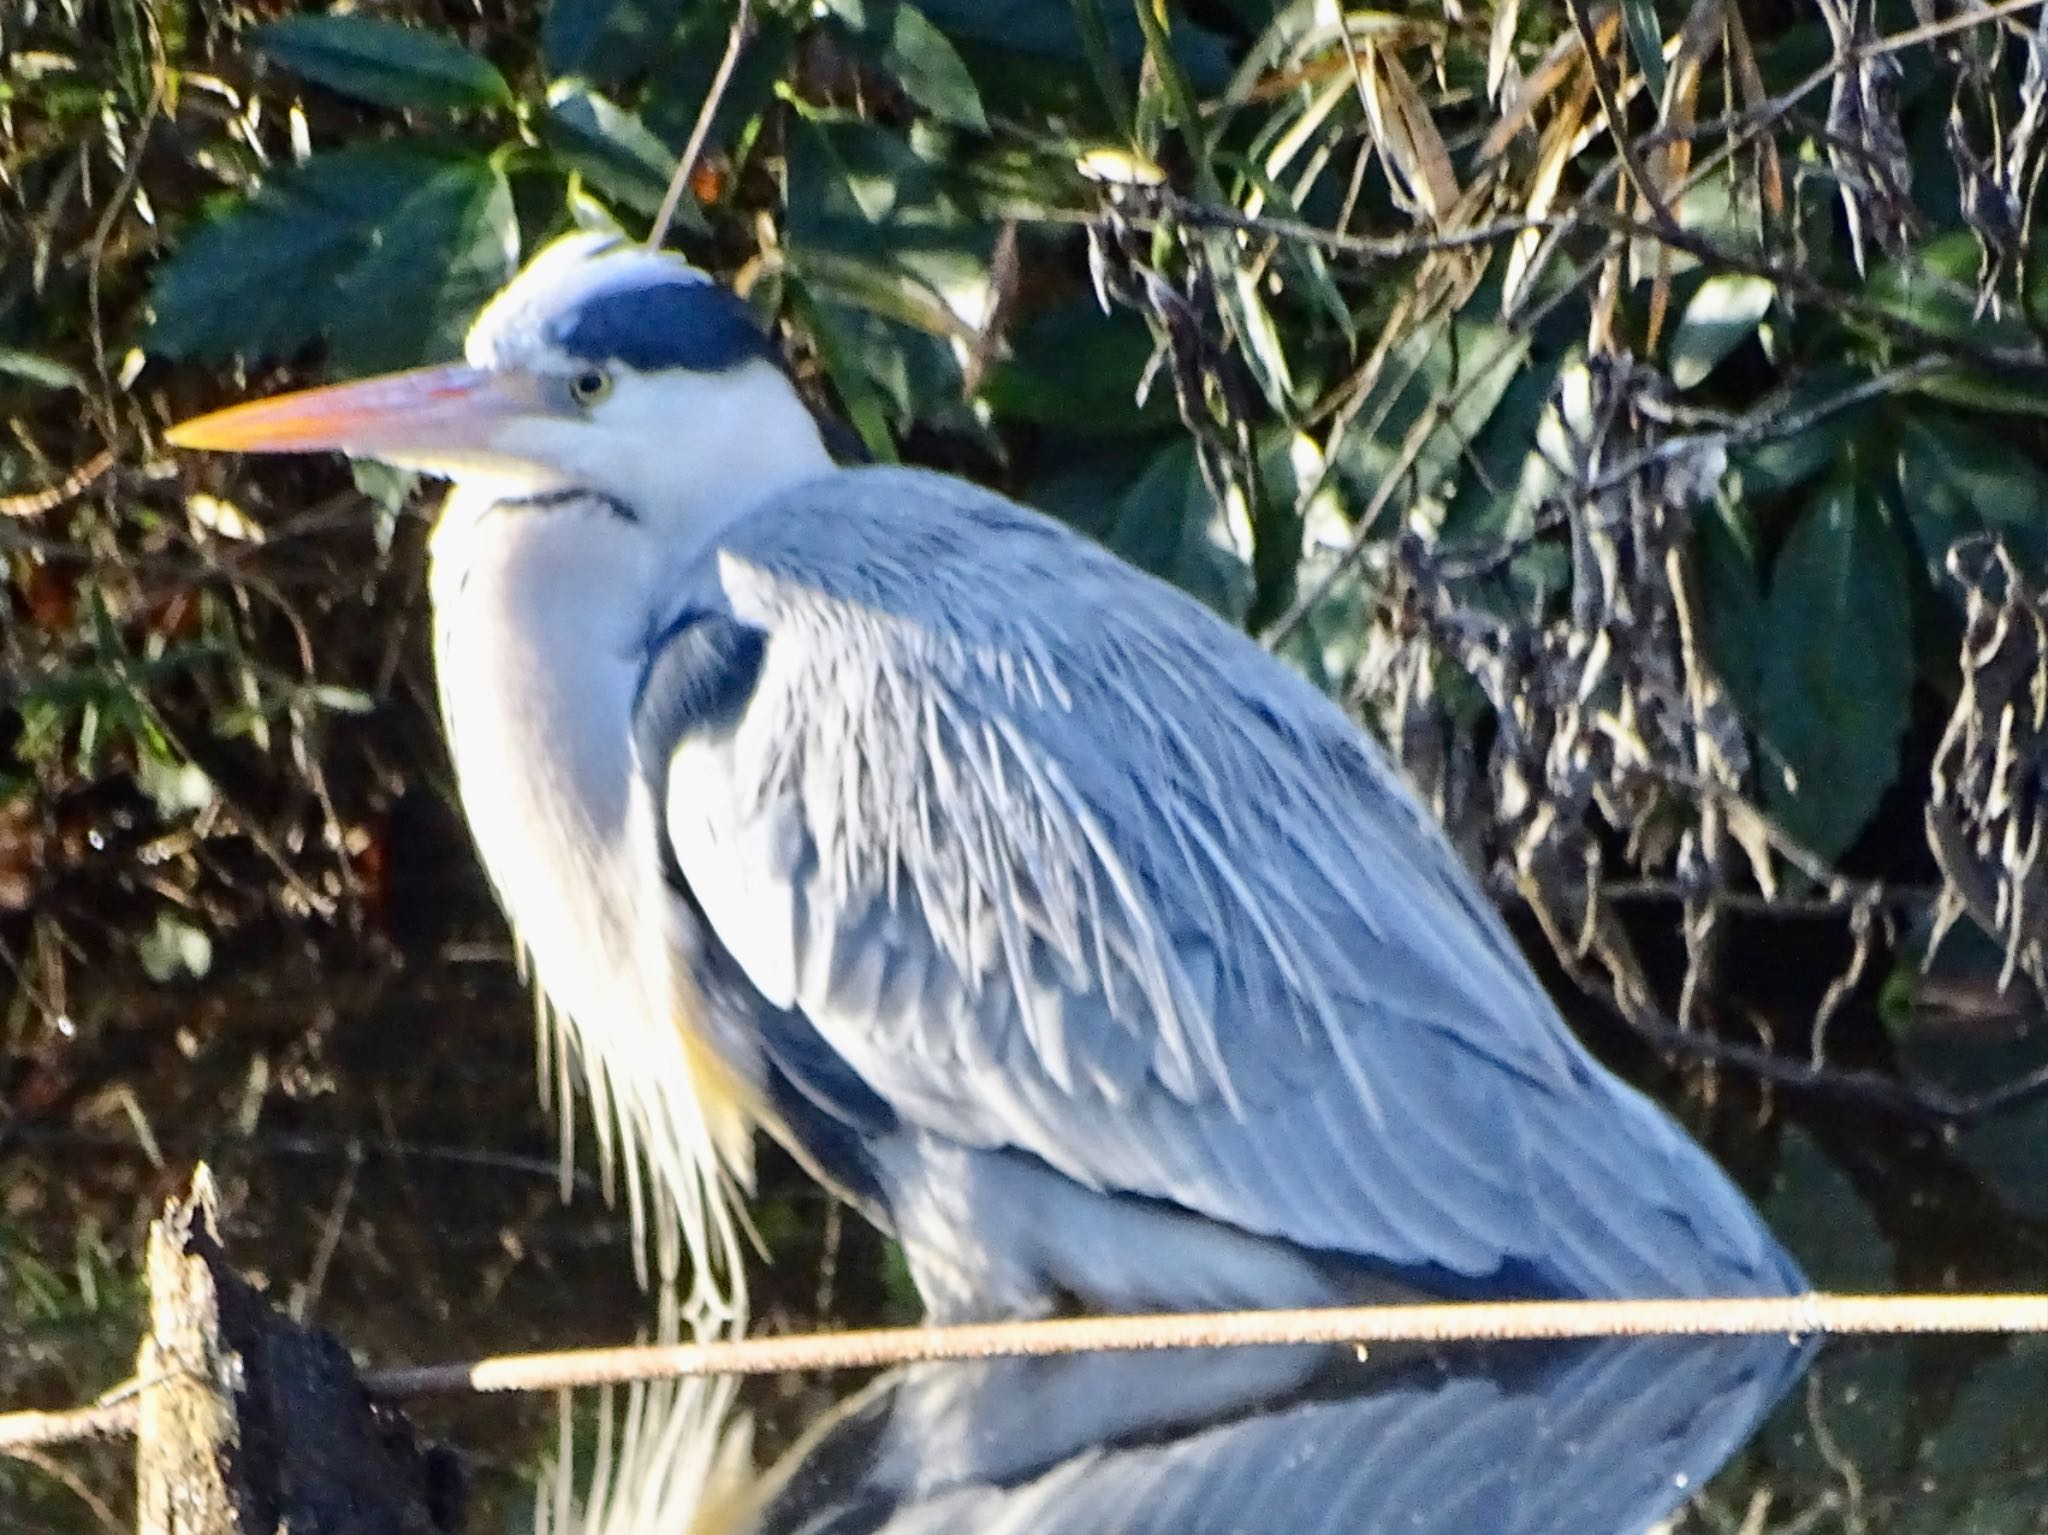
[602, 367]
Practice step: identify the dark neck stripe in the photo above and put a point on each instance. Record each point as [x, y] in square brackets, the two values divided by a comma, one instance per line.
[549, 500]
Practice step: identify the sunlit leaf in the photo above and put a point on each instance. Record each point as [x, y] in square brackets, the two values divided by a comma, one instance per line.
[1263, 347]
[1723, 313]
[618, 154]
[1525, 258]
[46, 372]
[384, 62]
[1565, 55]
[1834, 693]
[222, 518]
[878, 238]
[1500, 45]
[1407, 136]
[383, 248]
[174, 949]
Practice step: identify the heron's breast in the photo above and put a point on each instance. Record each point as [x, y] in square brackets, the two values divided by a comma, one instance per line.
[537, 707]
[537, 689]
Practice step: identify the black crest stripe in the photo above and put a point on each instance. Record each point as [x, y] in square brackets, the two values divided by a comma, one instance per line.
[694, 325]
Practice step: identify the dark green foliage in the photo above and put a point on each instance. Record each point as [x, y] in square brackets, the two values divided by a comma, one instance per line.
[384, 62]
[934, 201]
[1830, 710]
[384, 250]
[897, 38]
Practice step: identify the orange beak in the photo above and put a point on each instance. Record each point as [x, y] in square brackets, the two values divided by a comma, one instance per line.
[430, 418]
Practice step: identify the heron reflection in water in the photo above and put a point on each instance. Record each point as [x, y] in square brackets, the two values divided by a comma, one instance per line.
[1600, 1438]
[1055, 925]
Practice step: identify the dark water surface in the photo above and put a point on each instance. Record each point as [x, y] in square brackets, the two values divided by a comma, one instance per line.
[390, 1175]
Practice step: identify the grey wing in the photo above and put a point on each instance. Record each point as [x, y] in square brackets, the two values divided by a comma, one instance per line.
[1058, 862]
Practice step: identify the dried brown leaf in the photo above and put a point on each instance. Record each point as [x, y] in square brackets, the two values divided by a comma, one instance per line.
[1407, 136]
[1600, 338]
[1500, 45]
[1552, 157]
[1547, 76]
[1749, 80]
[1434, 157]
[1678, 115]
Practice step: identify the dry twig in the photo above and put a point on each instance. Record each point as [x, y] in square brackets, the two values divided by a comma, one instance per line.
[1794, 1316]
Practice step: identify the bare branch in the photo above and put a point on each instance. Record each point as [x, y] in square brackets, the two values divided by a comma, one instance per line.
[735, 44]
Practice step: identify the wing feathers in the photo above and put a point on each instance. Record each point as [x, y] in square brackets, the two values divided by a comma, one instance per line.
[1058, 862]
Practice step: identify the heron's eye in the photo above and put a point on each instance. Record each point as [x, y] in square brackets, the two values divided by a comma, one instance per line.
[589, 387]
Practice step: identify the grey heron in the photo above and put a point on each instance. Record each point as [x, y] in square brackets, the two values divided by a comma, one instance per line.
[1042, 915]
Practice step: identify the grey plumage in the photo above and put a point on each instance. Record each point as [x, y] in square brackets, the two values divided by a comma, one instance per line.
[1067, 870]
[1075, 939]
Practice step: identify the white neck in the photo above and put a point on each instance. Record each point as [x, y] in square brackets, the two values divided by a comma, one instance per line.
[741, 443]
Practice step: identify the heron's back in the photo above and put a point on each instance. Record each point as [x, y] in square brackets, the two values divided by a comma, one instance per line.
[1080, 885]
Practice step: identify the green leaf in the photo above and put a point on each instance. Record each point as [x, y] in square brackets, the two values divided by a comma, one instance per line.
[1837, 675]
[1826, 1217]
[386, 248]
[613, 149]
[384, 62]
[1504, 475]
[679, 84]
[1075, 368]
[851, 373]
[256, 280]
[876, 236]
[2016, 394]
[1646, 42]
[1956, 481]
[1934, 286]
[903, 41]
[1720, 316]
[1733, 600]
[1782, 464]
[440, 253]
[38, 369]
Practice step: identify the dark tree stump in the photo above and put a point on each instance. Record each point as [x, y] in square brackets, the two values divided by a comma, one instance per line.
[250, 1424]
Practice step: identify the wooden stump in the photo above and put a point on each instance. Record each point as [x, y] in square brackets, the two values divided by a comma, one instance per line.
[252, 1425]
